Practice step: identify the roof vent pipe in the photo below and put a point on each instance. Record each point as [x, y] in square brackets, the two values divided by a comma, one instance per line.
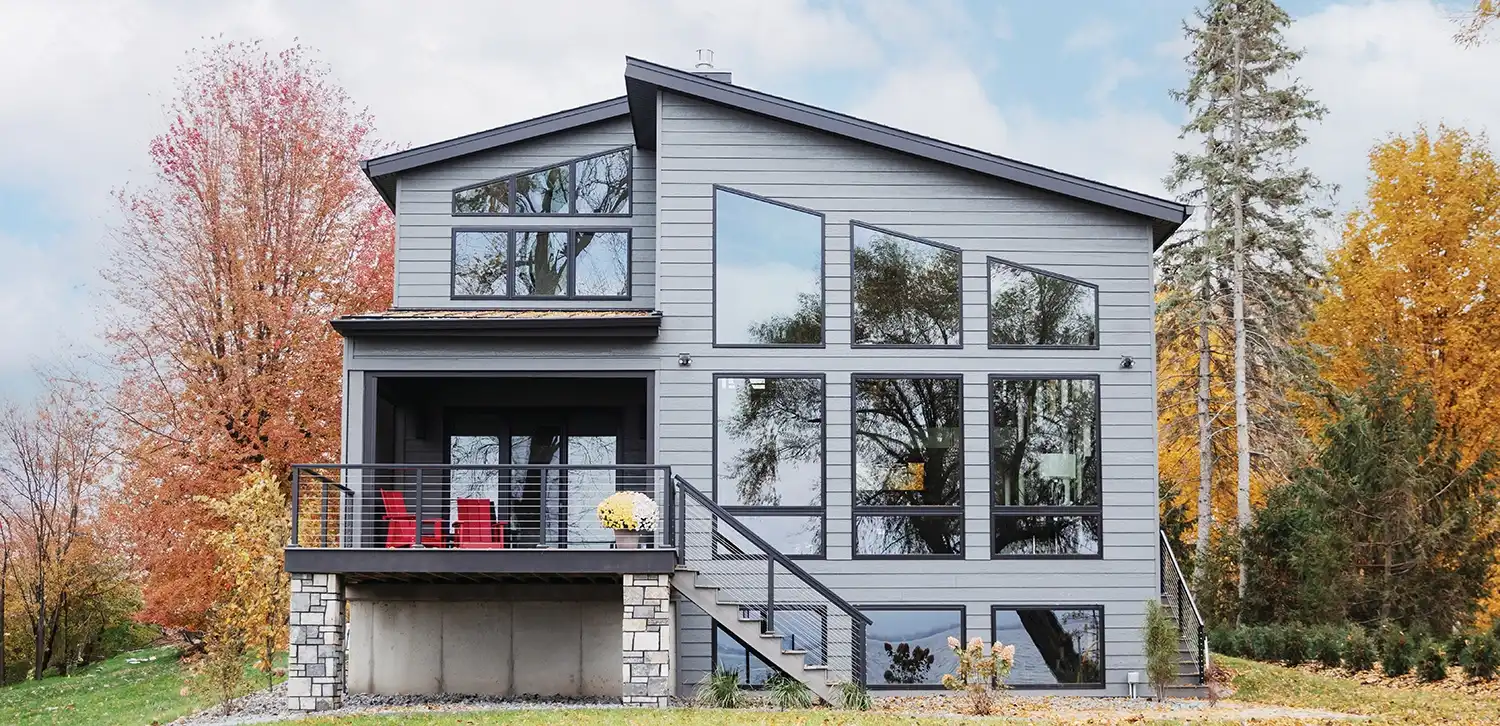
[705, 67]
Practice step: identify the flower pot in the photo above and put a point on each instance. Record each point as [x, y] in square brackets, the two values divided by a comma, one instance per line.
[627, 539]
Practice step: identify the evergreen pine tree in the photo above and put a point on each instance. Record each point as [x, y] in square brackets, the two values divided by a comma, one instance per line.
[1245, 278]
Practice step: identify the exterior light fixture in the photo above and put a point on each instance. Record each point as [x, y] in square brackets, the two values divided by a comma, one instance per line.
[684, 359]
[1126, 362]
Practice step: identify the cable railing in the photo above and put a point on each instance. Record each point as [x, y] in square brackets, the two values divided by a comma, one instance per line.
[1179, 600]
[516, 506]
[769, 587]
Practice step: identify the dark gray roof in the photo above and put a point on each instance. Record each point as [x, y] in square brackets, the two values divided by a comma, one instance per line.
[382, 170]
[643, 80]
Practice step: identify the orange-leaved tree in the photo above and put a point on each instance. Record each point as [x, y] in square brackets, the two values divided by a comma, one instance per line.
[256, 229]
[1417, 272]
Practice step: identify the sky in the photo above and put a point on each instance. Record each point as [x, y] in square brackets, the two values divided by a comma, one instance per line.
[1081, 86]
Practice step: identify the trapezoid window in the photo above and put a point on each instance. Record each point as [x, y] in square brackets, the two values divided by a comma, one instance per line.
[768, 467]
[591, 185]
[1044, 466]
[1032, 308]
[1054, 646]
[908, 466]
[541, 263]
[907, 291]
[768, 272]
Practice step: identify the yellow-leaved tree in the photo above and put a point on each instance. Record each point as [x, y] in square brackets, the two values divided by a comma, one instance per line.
[1419, 271]
[249, 548]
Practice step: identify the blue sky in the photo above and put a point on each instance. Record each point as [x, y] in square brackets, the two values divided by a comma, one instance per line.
[1080, 86]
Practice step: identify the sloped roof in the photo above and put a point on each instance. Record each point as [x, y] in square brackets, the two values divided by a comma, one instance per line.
[644, 79]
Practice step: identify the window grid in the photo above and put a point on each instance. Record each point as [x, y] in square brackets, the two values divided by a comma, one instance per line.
[571, 184]
[571, 236]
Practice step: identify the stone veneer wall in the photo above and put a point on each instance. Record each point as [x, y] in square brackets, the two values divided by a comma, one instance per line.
[646, 650]
[315, 665]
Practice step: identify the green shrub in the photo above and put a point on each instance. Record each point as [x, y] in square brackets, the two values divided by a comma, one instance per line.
[721, 689]
[853, 696]
[1359, 652]
[1396, 652]
[1455, 647]
[789, 693]
[1432, 665]
[1482, 658]
[1291, 644]
[1260, 643]
[1325, 645]
[1221, 639]
[1161, 639]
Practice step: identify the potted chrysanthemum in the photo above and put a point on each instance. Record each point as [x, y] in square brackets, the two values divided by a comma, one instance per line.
[628, 514]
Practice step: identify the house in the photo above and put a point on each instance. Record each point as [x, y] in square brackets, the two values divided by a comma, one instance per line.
[878, 389]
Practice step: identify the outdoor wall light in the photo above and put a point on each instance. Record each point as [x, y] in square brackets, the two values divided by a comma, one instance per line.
[1126, 362]
[684, 359]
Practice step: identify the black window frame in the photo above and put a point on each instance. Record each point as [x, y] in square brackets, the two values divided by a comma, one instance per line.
[989, 307]
[713, 640]
[1103, 681]
[963, 637]
[998, 510]
[874, 510]
[714, 270]
[572, 192]
[572, 233]
[854, 307]
[821, 512]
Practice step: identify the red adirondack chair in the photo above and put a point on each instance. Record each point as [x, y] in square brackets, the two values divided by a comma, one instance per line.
[477, 528]
[401, 525]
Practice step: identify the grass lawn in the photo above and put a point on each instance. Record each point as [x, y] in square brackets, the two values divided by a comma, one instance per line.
[109, 693]
[1264, 683]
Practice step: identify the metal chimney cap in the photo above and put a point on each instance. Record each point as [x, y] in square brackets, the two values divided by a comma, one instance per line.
[705, 59]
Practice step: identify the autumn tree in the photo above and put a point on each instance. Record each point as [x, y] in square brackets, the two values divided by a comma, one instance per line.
[248, 544]
[255, 230]
[55, 460]
[1478, 21]
[1243, 281]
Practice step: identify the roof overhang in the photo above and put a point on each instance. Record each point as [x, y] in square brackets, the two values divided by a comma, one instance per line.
[510, 324]
[643, 80]
[382, 170]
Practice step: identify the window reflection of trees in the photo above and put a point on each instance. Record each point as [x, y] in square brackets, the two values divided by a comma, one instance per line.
[1028, 307]
[905, 291]
[769, 442]
[1065, 641]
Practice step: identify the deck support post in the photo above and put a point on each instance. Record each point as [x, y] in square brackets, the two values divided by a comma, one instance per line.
[315, 665]
[648, 639]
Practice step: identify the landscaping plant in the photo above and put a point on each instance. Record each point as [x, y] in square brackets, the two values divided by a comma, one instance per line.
[721, 689]
[1482, 658]
[1160, 634]
[1396, 652]
[854, 696]
[1260, 643]
[1359, 652]
[981, 671]
[1291, 644]
[788, 693]
[1432, 666]
[1324, 644]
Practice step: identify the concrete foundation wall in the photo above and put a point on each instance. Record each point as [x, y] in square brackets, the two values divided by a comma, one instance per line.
[497, 640]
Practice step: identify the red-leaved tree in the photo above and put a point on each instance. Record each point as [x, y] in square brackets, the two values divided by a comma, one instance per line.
[257, 228]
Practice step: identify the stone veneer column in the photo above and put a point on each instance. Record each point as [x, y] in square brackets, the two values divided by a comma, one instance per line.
[646, 649]
[315, 665]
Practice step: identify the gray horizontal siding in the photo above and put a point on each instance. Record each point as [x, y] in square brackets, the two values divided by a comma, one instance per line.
[700, 145]
[424, 222]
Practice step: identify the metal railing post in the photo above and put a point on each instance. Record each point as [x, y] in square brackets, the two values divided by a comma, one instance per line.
[669, 522]
[421, 509]
[857, 652]
[323, 496]
[770, 594]
[296, 503]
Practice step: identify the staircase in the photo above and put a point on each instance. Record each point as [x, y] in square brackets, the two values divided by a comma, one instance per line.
[762, 597]
[1192, 647]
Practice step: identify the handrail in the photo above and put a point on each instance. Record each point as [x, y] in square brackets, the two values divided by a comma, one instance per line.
[1167, 545]
[770, 551]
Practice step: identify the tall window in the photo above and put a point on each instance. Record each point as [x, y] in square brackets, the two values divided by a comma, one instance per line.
[584, 264]
[768, 468]
[907, 291]
[1044, 468]
[1032, 308]
[593, 185]
[768, 272]
[908, 466]
[1061, 646]
[907, 646]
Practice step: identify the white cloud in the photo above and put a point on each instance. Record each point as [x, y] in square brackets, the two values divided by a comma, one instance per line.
[1094, 34]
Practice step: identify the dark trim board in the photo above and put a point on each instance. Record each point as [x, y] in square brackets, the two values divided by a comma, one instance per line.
[413, 561]
[644, 80]
[1103, 658]
[615, 327]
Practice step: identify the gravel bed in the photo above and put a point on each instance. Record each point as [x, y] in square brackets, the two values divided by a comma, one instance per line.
[269, 705]
[1091, 708]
